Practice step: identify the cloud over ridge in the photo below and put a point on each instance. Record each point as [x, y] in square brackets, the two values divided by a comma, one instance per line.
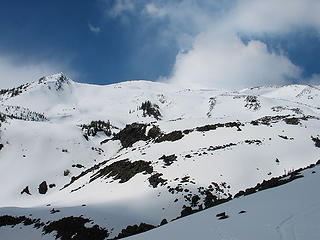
[13, 74]
[212, 55]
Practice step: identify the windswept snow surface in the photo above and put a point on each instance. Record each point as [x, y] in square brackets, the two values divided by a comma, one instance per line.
[221, 143]
[287, 212]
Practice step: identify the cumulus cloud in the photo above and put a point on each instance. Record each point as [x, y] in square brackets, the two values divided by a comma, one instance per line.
[13, 74]
[229, 63]
[211, 52]
[218, 58]
[94, 29]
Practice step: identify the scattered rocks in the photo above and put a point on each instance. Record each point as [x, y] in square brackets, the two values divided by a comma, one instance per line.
[163, 222]
[135, 229]
[273, 182]
[212, 103]
[258, 142]
[284, 137]
[66, 172]
[150, 109]
[214, 148]
[43, 188]
[96, 126]
[207, 128]
[222, 215]
[281, 108]
[187, 131]
[7, 220]
[316, 141]
[252, 103]
[168, 160]
[211, 127]
[53, 211]
[26, 190]
[22, 113]
[267, 120]
[209, 199]
[292, 121]
[185, 179]
[156, 179]
[187, 211]
[74, 228]
[177, 189]
[194, 201]
[173, 136]
[78, 165]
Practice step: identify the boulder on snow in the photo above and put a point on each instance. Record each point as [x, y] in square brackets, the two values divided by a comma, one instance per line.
[163, 222]
[26, 190]
[43, 187]
[168, 160]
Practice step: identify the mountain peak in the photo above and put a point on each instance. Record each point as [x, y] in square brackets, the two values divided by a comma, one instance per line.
[61, 77]
[59, 80]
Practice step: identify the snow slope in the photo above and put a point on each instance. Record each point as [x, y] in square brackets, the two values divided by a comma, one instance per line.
[211, 144]
[286, 212]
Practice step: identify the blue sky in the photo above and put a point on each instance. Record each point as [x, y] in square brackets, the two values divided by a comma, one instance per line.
[58, 32]
[228, 44]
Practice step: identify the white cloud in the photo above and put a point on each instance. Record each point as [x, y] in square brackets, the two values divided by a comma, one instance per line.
[13, 74]
[94, 29]
[151, 9]
[212, 55]
[219, 59]
[120, 7]
[274, 16]
[229, 63]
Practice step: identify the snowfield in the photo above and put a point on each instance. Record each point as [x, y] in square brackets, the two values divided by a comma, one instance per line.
[286, 212]
[97, 159]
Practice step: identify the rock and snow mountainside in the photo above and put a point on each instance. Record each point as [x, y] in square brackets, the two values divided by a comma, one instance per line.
[81, 161]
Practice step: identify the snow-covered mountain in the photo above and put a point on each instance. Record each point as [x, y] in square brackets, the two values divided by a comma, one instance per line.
[83, 161]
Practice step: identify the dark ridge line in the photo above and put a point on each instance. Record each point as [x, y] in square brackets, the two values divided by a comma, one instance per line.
[95, 167]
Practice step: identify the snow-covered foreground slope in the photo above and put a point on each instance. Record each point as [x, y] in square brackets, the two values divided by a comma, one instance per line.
[290, 211]
[141, 152]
